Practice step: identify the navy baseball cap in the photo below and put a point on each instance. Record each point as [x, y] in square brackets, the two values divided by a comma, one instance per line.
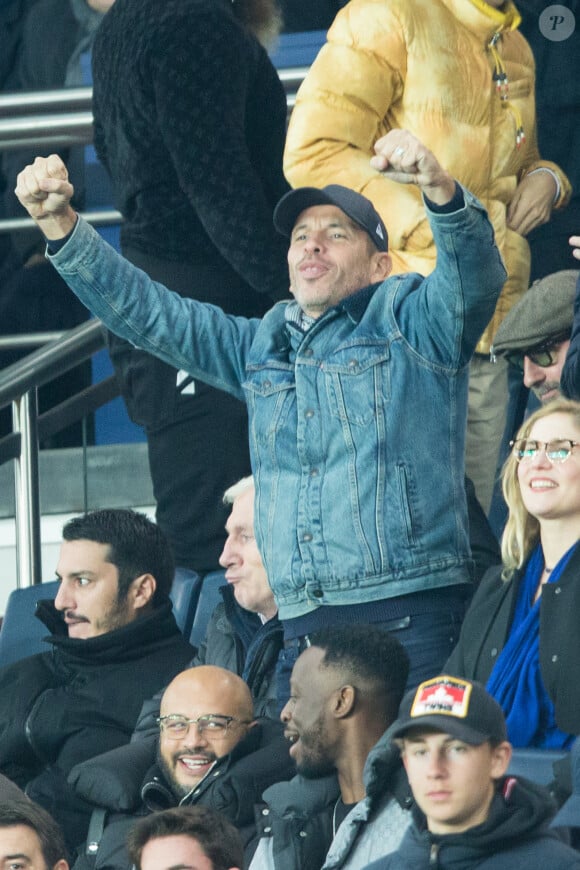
[358, 208]
[461, 708]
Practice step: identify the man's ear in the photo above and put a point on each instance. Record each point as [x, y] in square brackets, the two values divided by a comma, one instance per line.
[344, 701]
[382, 266]
[142, 590]
[61, 865]
[500, 759]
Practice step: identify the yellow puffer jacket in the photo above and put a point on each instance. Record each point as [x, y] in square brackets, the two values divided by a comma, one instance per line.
[426, 66]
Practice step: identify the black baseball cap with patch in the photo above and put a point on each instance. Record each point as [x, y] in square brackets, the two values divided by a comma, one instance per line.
[358, 208]
[461, 708]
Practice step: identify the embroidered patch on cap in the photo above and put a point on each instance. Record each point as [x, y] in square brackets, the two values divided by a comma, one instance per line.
[448, 697]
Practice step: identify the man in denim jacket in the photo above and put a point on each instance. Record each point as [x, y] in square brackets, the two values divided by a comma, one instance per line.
[356, 391]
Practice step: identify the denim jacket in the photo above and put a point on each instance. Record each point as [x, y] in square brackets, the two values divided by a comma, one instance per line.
[357, 426]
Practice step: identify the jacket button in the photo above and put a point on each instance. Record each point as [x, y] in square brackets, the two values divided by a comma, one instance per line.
[308, 351]
[353, 364]
[318, 593]
[302, 834]
[554, 658]
[307, 537]
[309, 413]
[266, 812]
[494, 652]
[267, 384]
[557, 590]
[267, 830]
[313, 472]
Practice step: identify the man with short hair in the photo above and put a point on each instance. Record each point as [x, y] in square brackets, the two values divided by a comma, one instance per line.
[535, 333]
[350, 798]
[244, 634]
[196, 838]
[468, 813]
[113, 642]
[30, 838]
[356, 391]
[210, 750]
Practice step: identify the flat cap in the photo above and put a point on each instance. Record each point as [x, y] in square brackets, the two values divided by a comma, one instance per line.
[546, 310]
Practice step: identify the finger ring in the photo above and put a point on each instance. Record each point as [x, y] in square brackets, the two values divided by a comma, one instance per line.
[399, 151]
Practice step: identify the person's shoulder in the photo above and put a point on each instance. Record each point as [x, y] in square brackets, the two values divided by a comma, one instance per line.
[47, 11]
[39, 665]
[532, 851]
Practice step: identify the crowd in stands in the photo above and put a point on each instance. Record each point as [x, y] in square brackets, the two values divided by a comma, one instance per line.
[321, 329]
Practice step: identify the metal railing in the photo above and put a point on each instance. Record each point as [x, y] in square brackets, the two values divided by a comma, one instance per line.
[52, 119]
[19, 385]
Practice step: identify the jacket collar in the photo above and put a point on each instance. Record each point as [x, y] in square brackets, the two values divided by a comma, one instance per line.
[384, 771]
[482, 19]
[354, 307]
[134, 639]
[300, 798]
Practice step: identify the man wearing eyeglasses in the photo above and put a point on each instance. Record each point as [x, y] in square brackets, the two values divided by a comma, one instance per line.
[210, 750]
[535, 335]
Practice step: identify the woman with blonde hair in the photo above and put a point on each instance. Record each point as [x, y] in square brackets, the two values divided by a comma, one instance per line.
[521, 633]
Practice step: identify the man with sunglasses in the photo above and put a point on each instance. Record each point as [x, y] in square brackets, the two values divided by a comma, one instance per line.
[210, 751]
[535, 335]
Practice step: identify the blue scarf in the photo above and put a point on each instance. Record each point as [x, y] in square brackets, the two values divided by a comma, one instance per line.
[515, 681]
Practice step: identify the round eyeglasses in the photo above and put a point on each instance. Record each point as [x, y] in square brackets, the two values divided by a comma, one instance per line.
[558, 450]
[175, 727]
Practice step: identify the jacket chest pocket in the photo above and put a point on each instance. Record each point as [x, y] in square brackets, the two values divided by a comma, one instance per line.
[358, 384]
[270, 395]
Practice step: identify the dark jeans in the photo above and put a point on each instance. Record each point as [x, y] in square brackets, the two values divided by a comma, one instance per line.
[429, 639]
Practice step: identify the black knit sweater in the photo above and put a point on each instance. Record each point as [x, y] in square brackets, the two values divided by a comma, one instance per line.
[190, 122]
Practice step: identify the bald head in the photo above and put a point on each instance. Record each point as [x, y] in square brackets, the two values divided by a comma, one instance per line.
[205, 712]
[214, 689]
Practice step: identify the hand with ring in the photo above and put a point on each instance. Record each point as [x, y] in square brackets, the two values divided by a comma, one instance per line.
[401, 157]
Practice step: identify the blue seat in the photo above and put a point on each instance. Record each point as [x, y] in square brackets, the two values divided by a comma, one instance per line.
[209, 598]
[22, 633]
[535, 764]
[185, 592]
[297, 49]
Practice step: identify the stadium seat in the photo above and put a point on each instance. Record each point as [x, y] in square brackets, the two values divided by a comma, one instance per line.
[185, 593]
[21, 633]
[209, 598]
[297, 49]
[535, 764]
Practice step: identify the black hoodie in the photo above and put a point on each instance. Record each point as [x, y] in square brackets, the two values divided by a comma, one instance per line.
[515, 835]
